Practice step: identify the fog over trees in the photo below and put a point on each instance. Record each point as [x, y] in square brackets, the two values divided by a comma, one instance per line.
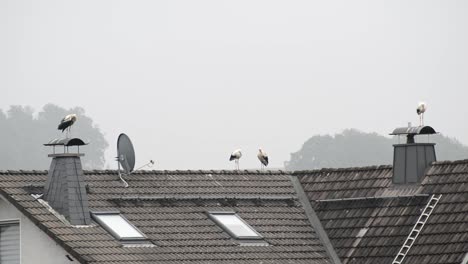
[353, 148]
[23, 133]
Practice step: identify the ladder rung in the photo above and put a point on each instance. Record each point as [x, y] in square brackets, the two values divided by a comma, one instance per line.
[408, 242]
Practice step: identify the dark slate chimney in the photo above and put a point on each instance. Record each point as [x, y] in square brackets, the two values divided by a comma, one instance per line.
[65, 188]
[410, 160]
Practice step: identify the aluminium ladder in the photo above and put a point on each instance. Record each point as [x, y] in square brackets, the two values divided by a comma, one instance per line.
[417, 229]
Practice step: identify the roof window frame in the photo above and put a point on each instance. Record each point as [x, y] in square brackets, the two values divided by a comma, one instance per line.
[211, 215]
[95, 215]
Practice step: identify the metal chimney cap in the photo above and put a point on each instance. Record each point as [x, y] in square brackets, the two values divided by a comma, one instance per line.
[420, 130]
[67, 142]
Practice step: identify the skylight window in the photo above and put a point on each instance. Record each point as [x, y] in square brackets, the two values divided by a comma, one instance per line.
[119, 226]
[234, 225]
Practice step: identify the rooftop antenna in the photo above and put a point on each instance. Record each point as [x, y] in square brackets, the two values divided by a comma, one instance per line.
[126, 157]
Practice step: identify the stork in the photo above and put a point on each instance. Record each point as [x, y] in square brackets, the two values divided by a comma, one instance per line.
[66, 123]
[236, 155]
[420, 111]
[263, 157]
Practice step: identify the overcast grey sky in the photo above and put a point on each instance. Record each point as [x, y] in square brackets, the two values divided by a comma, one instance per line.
[190, 81]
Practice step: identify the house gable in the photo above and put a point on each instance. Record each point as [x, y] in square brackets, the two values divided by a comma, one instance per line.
[34, 243]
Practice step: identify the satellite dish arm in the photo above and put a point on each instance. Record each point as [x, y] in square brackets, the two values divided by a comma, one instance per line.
[126, 164]
[120, 174]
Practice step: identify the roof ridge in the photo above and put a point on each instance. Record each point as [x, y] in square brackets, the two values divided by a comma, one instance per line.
[197, 172]
[240, 172]
[364, 168]
[229, 172]
[443, 162]
[22, 171]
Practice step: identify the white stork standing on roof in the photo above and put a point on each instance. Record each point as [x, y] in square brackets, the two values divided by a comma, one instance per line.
[66, 123]
[420, 111]
[236, 155]
[263, 157]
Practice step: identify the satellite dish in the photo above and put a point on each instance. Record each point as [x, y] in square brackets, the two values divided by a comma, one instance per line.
[125, 153]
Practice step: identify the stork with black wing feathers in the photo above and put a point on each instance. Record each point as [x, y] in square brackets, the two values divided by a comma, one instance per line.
[263, 157]
[66, 123]
[420, 111]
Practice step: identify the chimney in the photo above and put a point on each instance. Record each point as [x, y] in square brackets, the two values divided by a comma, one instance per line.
[410, 160]
[65, 189]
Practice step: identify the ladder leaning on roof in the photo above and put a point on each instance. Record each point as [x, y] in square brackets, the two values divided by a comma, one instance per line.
[417, 229]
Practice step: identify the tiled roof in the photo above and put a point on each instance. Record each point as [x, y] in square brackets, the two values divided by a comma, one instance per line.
[345, 183]
[444, 239]
[360, 209]
[178, 225]
[369, 230]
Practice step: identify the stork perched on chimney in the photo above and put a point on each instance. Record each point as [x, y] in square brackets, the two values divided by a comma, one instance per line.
[263, 157]
[236, 155]
[66, 123]
[420, 111]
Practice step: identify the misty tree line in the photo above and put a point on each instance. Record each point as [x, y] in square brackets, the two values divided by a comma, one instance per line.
[22, 135]
[354, 148]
